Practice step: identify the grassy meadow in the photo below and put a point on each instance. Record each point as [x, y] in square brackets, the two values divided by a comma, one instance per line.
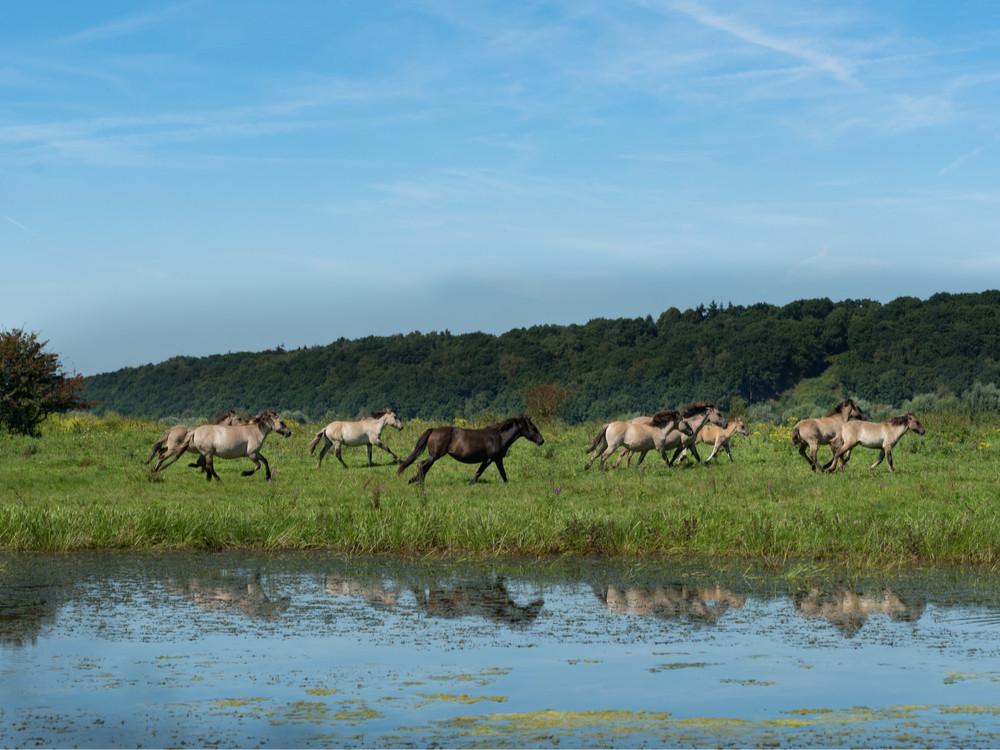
[84, 485]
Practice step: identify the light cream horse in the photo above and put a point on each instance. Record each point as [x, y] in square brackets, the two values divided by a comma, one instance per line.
[236, 441]
[719, 437]
[173, 437]
[365, 432]
[810, 434]
[695, 417]
[879, 435]
[636, 437]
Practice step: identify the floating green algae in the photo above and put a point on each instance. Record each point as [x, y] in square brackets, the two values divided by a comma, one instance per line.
[857, 726]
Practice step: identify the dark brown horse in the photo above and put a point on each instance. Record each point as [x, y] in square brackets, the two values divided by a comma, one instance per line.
[485, 446]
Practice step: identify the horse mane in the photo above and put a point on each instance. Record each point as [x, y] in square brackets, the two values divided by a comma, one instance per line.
[507, 422]
[841, 406]
[225, 415]
[696, 408]
[665, 415]
[901, 420]
[382, 413]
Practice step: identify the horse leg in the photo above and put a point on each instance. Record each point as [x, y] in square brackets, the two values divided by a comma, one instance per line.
[715, 449]
[482, 468]
[814, 458]
[163, 463]
[384, 447]
[803, 447]
[369, 447]
[210, 469]
[728, 453]
[600, 449]
[641, 457]
[336, 451]
[881, 456]
[674, 458]
[424, 466]
[257, 459]
[326, 446]
[694, 452]
[503, 474]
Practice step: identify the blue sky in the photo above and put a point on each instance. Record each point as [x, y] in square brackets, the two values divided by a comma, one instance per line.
[210, 176]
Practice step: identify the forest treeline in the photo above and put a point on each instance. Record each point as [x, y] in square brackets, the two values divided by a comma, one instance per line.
[758, 359]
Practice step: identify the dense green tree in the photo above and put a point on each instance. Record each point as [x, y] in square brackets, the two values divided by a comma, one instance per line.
[32, 384]
[605, 368]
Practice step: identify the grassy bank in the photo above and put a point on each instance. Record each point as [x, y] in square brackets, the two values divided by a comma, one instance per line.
[84, 486]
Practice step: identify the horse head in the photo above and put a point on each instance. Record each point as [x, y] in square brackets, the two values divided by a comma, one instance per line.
[272, 421]
[527, 429]
[740, 427]
[848, 409]
[716, 417]
[912, 423]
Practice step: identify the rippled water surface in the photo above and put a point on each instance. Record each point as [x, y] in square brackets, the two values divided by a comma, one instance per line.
[316, 650]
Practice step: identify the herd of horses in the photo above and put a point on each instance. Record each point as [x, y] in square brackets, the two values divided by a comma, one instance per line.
[231, 436]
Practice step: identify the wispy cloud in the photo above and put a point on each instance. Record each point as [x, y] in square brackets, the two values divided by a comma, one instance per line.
[129, 25]
[801, 49]
[18, 224]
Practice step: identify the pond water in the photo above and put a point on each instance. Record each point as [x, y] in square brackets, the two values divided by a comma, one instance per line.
[306, 650]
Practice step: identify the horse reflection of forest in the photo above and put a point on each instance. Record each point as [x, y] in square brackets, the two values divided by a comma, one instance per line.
[488, 597]
[241, 593]
[676, 601]
[848, 610]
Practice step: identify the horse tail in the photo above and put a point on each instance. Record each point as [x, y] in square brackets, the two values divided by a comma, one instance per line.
[158, 445]
[417, 450]
[315, 441]
[598, 439]
[796, 437]
[176, 453]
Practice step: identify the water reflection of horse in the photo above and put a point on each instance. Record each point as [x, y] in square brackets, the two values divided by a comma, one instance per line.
[241, 593]
[848, 610]
[671, 601]
[488, 598]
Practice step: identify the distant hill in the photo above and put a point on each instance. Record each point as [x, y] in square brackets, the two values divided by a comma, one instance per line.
[736, 356]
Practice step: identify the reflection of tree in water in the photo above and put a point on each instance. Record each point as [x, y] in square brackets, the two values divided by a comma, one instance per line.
[671, 601]
[230, 591]
[25, 609]
[848, 610]
[487, 597]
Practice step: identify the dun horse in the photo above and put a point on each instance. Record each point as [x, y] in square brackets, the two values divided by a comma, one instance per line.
[719, 437]
[880, 435]
[636, 437]
[695, 417]
[365, 432]
[173, 437]
[237, 441]
[484, 446]
[809, 434]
